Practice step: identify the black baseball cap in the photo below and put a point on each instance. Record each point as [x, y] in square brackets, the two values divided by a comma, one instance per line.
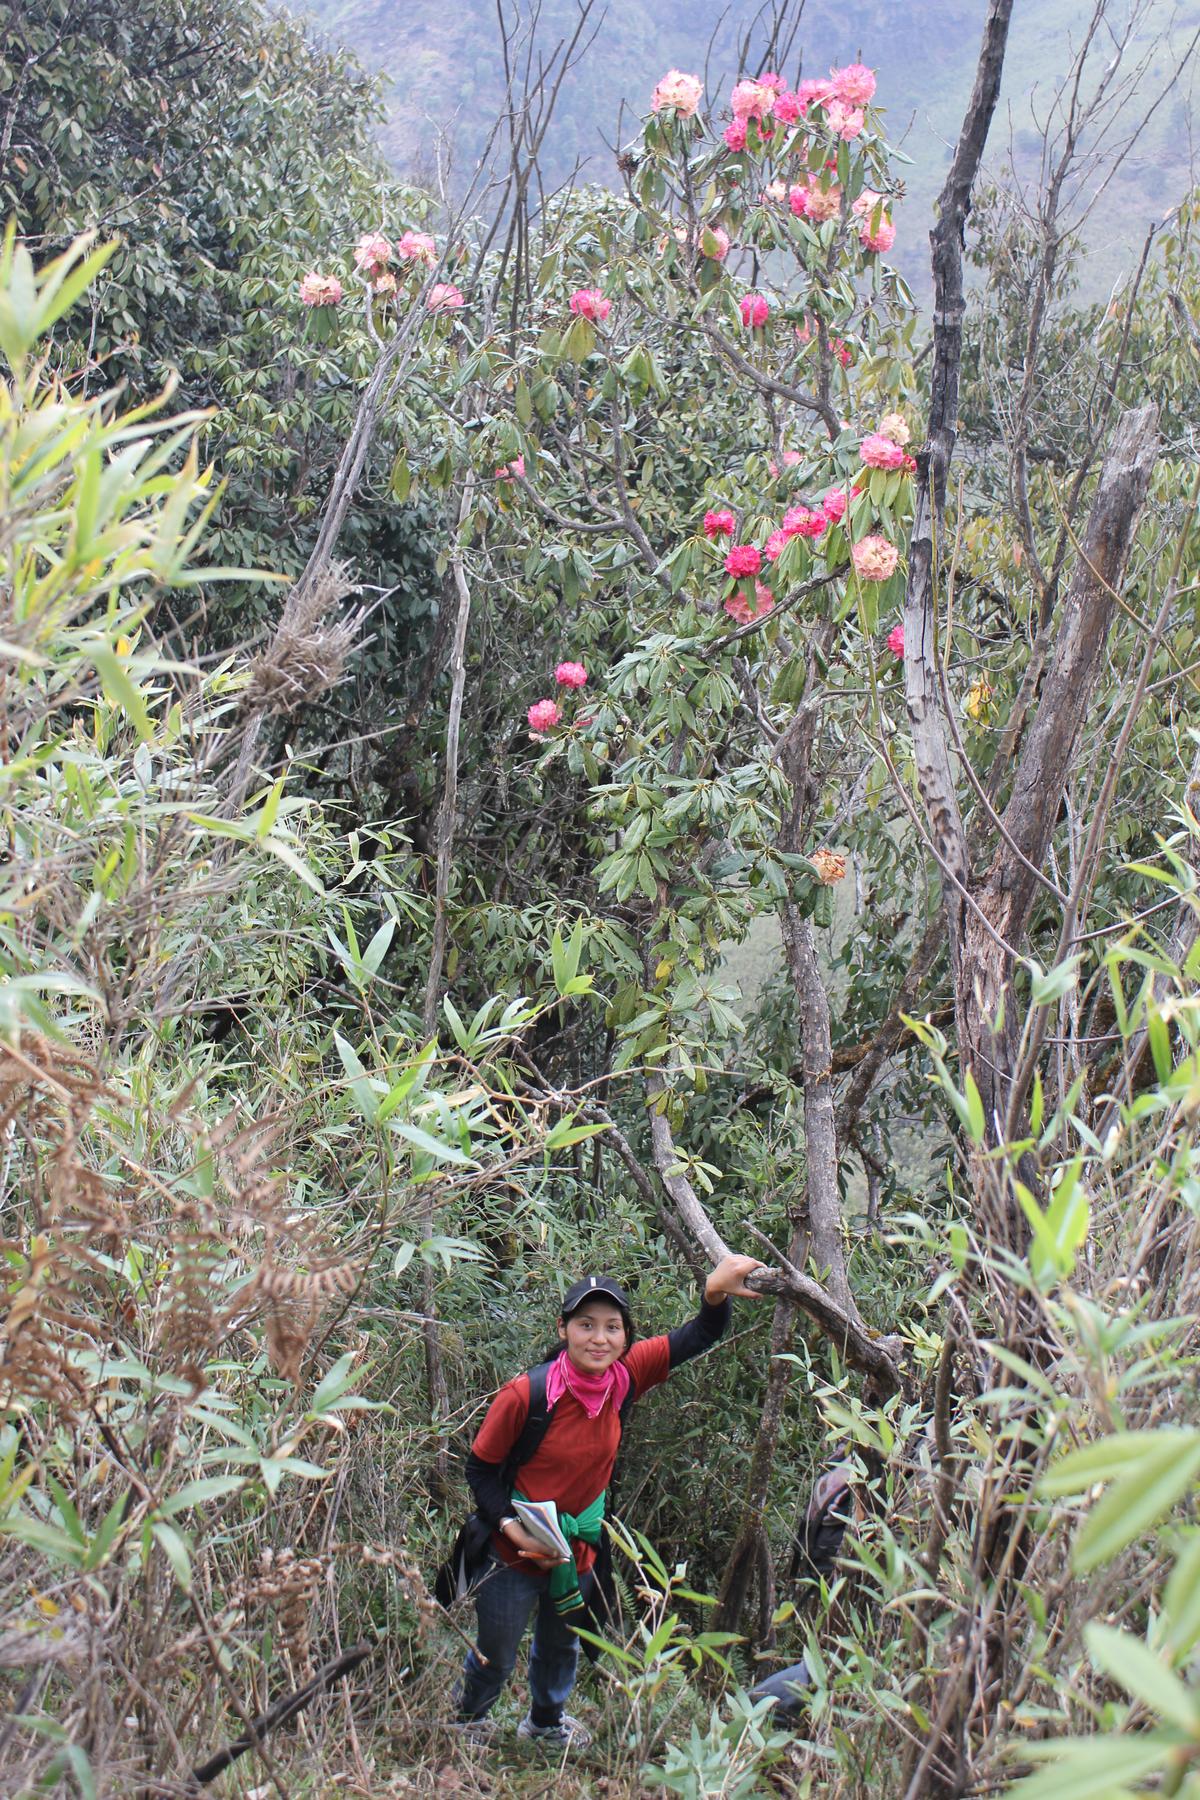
[589, 1285]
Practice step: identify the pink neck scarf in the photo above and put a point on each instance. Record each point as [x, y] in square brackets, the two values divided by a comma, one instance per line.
[591, 1391]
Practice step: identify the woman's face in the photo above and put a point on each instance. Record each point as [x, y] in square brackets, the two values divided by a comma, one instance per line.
[594, 1336]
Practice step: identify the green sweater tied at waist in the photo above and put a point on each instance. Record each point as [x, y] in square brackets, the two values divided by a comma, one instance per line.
[587, 1527]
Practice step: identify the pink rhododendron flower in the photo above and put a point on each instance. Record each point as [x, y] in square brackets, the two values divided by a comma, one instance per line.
[743, 559]
[909, 465]
[752, 99]
[874, 558]
[879, 452]
[714, 242]
[512, 470]
[792, 459]
[543, 715]
[896, 640]
[719, 524]
[443, 296]
[776, 544]
[798, 201]
[745, 611]
[788, 108]
[842, 351]
[775, 191]
[320, 290]
[735, 134]
[372, 253]
[570, 674]
[802, 521]
[683, 92]
[834, 504]
[589, 303]
[756, 310]
[844, 121]
[877, 236]
[383, 285]
[417, 247]
[893, 425]
[854, 85]
[879, 241]
[814, 93]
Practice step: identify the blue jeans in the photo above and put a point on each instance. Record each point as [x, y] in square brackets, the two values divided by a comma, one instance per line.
[504, 1599]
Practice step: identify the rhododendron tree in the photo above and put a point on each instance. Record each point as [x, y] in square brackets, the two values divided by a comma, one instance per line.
[722, 503]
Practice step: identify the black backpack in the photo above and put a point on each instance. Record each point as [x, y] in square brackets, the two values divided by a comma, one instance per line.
[465, 1561]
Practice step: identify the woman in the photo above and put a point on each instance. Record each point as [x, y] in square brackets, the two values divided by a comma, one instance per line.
[565, 1448]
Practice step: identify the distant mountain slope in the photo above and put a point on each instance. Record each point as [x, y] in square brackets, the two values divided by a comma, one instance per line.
[443, 62]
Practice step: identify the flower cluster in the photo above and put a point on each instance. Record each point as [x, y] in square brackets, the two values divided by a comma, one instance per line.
[746, 611]
[884, 449]
[589, 303]
[756, 310]
[829, 864]
[683, 92]
[320, 290]
[512, 471]
[443, 296]
[417, 247]
[743, 560]
[544, 715]
[874, 558]
[719, 524]
[375, 253]
[895, 641]
[875, 229]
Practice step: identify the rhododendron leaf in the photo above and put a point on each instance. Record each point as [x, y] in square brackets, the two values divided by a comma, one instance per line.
[579, 340]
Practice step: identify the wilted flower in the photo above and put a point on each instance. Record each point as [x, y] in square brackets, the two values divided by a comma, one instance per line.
[589, 303]
[543, 715]
[822, 203]
[893, 425]
[829, 864]
[979, 696]
[320, 290]
[683, 92]
[874, 558]
[570, 674]
[443, 296]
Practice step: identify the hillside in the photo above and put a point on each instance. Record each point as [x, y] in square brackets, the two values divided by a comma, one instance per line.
[442, 67]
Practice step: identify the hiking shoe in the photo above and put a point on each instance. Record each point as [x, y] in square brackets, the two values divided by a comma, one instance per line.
[474, 1731]
[569, 1733]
